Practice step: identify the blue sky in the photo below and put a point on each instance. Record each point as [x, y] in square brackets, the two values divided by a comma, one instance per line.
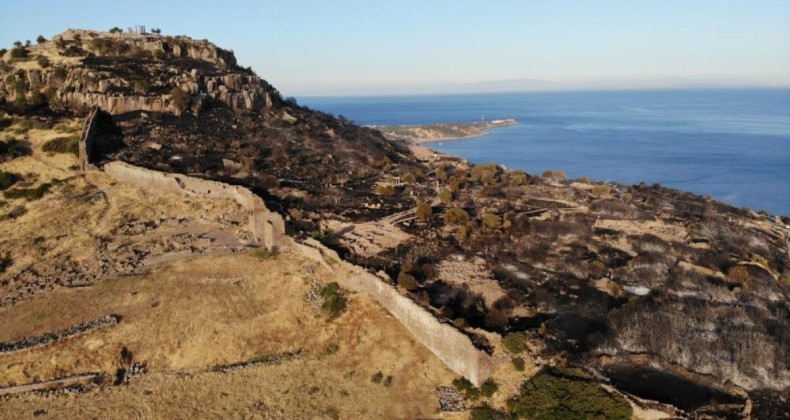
[329, 47]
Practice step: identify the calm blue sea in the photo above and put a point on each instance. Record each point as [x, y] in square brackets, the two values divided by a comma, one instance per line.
[731, 144]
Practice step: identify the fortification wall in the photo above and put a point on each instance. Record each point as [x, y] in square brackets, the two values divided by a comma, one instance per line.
[86, 140]
[267, 227]
[451, 346]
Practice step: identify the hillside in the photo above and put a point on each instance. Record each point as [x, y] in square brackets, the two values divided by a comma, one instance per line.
[582, 284]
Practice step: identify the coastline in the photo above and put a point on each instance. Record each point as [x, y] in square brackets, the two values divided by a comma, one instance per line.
[416, 134]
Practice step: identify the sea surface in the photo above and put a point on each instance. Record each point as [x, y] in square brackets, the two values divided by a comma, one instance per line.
[731, 144]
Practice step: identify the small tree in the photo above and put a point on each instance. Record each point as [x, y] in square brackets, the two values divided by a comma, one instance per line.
[17, 44]
[41, 39]
[116, 29]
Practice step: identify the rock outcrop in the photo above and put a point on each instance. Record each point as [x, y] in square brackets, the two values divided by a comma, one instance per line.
[127, 72]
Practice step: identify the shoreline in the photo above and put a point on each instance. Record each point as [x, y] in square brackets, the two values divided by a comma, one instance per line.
[429, 133]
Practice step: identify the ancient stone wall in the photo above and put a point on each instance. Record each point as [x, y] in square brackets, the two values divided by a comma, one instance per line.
[86, 140]
[267, 227]
[451, 346]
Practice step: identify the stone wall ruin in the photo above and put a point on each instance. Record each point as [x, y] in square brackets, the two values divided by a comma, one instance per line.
[451, 346]
[267, 227]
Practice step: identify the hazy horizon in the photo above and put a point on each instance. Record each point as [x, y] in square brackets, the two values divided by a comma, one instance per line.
[313, 48]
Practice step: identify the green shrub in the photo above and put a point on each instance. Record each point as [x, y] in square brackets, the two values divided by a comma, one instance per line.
[456, 216]
[422, 210]
[70, 144]
[407, 282]
[489, 388]
[7, 179]
[116, 29]
[408, 178]
[323, 235]
[377, 377]
[334, 300]
[180, 98]
[559, 395]
[262, 253]
[514, 342]
[386, 190]
[484, 174]
[517, 178]
[41, 39]
[30, 193]
[492, 221]
[19, 53]
[518, 363]
[446, 196]
[5, 262]
[331, 348]
[740, 274]
[462, 233]
[602, 191]
[43, 61]
[465, 386]
[485, 412]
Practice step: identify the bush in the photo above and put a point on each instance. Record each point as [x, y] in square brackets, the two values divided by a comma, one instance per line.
[489, 388]
[740, 274]
[446, 196]
[262, 253]
[517, 178]
[465, 386]
[456, 216]
[116, 29]
[18, 53]
[549, 395]
[377, 377]
[43, 61]
[7, 179]
[41, 39]
[492, 221]
[423, 210]
[386, 190]
[485, 174]
[180, 98]
[407, 282]
[30, 193]
[518, 363]
[602, 191]
[409, 178]
[334, 301]
[485, 412]
[514, 342]
[70, 144]
[5, 262]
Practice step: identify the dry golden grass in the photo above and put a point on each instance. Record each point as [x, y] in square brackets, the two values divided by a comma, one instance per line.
[188, 316]
[198, 313]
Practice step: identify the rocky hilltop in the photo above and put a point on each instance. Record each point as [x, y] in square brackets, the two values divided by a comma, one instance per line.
[130, 72]
[659, 302]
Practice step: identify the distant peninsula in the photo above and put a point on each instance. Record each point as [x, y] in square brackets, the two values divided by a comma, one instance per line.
[443, 131]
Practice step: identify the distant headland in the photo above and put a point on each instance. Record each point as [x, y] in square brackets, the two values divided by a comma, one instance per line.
[443, 131]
